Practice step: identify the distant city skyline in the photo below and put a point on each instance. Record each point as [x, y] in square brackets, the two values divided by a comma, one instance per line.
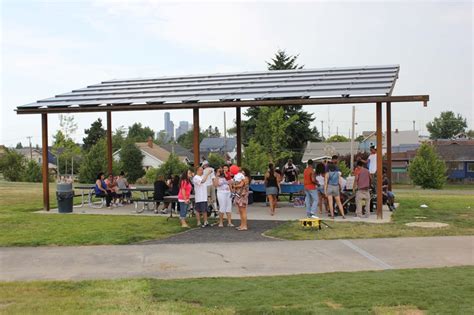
[170, 132]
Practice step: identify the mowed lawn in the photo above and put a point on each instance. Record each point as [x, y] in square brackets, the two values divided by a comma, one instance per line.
[20, 227]
[454, 206]
[411, 291]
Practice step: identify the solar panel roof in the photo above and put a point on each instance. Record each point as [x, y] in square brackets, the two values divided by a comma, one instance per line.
[264, 85]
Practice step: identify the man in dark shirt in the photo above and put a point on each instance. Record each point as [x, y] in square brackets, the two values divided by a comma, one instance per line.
[290, 171]
[362, 183]
[291, 174]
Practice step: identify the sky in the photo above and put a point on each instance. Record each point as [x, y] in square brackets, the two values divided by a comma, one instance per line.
[52, 47]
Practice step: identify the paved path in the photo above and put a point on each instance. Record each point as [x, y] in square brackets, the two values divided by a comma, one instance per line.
[256, 211]
[215, 234]
[232, 259]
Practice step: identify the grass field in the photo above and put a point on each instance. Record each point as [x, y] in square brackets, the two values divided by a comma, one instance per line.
[455, 207]
[412, 291]
[20, 227]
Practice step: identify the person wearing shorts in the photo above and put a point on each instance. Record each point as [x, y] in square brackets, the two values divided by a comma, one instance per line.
[223, 196]
[331, 189]
[200, 196]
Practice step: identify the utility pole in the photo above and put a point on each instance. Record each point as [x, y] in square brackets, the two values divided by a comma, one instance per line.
[413, 125]
[322, 129]
[352, 137]
[31, 148]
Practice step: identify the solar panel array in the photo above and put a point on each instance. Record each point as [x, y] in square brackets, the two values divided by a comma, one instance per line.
[266, 85]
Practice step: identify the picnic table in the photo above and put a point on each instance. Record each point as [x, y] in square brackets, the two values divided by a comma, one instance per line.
[174, 198]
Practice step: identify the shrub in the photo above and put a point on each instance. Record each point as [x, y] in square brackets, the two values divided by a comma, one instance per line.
[12, 165]
[173, 166]
[215, 160]
[427, 169]
[32, 172]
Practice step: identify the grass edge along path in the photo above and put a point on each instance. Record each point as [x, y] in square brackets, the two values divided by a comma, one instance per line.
[19, 226]
[406, 291]
[457, 210]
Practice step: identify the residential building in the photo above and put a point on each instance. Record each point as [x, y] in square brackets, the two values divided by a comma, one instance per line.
[220, 146]
[36, 155]
[155, 155]
[318, 151]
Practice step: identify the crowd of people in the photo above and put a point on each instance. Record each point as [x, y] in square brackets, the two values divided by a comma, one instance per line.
[229, 185]
[324, 185]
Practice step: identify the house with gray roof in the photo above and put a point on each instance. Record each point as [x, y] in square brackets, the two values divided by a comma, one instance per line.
[219, 146]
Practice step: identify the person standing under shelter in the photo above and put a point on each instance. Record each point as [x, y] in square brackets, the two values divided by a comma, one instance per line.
[372, 162]
[311, 198]
[211, 190]
[200, 195]
[362, 184]
[332, 189]
[272, 187]
[224, 197]
[290, 173]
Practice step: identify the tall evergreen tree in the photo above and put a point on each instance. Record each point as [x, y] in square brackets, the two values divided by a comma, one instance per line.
[94, 134]
[138, 133]
[131, 159]
[300, 131]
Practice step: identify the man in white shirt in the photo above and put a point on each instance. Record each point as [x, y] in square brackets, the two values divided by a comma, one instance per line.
[372, 161]
[211, 190]
[200, 195]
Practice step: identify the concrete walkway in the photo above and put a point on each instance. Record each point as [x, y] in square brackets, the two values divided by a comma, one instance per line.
[232, 259]
[256, 211]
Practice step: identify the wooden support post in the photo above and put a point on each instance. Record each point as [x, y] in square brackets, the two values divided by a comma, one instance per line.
[109, 142]
[379, 161]
[239, 135]
[389, 144]
[45, 170]
[196, 136]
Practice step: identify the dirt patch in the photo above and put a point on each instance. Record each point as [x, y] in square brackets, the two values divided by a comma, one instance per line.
[429, 225]
[398, 310]
[333, 305]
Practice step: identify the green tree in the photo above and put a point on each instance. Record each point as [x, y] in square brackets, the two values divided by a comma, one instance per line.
[94, 134]
[138, 133]
[32, 172]
[12, 165]
[161, 138]
[427, 169]
[272, 133]
[338, 138]
[19, 146]
[345, 170]
[68, 125]
[118, 138]
[172, 166]
[470, 134]
[93, 163]
[255, 157]
[446, 125]
[283, 61]
[212, 132]
[215, 160]
[66, 151]
[131, 159]
[186, 140]
[300, 130]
